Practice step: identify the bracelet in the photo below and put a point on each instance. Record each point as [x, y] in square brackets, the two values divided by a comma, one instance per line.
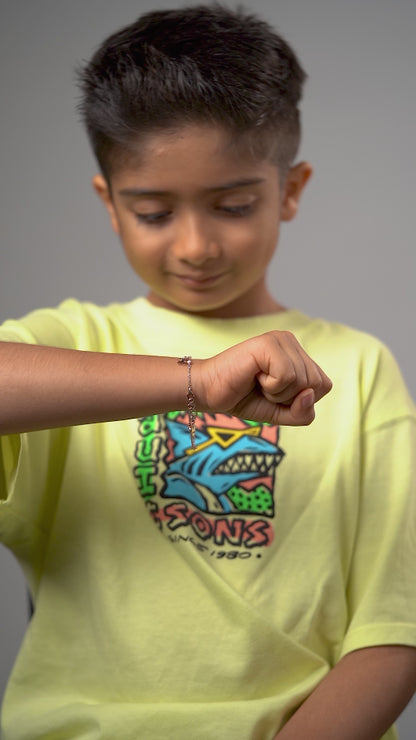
[190, 399]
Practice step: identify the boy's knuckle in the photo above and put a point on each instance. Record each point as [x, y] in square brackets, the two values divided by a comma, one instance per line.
[289, 376]
[288, 336]
[316, 379]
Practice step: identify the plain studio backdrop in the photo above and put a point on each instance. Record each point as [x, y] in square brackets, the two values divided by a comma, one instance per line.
[349, 255]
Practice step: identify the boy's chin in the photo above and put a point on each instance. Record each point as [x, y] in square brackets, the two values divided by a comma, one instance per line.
[241, 307]
[198, 309]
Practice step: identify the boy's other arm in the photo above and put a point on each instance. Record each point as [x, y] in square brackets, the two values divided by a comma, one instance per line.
[359, 699]
[268, 379]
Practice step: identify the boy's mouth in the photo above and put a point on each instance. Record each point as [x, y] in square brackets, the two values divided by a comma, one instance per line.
[199, 281]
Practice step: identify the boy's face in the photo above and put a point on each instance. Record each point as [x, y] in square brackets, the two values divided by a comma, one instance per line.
[199, 222]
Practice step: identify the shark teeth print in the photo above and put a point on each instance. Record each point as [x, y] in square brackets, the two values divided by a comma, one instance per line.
[261, 464]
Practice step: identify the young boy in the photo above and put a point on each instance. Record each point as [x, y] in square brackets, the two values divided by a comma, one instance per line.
[204, 562]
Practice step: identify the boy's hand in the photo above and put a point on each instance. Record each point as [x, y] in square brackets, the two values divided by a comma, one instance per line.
[269, 378]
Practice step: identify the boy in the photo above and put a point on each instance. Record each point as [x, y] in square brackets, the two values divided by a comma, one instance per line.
[270, 593]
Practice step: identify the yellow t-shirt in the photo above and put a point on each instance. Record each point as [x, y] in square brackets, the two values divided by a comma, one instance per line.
[205, 594]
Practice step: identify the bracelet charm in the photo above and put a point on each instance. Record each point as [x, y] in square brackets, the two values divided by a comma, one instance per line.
[190, 399]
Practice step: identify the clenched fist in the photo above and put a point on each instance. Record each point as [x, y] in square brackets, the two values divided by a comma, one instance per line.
[269, 378]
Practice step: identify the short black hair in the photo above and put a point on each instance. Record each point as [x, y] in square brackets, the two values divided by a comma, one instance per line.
[196, 64]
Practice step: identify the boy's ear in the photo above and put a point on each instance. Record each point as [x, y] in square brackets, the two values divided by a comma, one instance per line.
[100, 186]
[296, 179]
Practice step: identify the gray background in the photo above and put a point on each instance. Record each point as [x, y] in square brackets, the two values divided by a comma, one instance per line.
[349, 255]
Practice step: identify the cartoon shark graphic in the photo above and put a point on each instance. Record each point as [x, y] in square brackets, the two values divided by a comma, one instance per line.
[212, 476]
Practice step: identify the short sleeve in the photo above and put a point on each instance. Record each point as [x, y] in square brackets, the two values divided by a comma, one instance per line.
[381, 589]
[30, 464]
[67, 326]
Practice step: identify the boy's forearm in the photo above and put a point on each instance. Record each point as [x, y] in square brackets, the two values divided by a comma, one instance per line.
[266, 378]
[46, 387]
[359, 699]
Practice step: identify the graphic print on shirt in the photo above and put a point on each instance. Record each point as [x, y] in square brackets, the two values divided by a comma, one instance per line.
[219, 494]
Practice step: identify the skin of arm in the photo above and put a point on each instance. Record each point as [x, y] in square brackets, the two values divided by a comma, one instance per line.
[359, 699]
[267, 378]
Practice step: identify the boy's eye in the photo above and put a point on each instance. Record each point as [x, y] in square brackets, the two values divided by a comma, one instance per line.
[237, 210]
[156, 218]
[152, 218]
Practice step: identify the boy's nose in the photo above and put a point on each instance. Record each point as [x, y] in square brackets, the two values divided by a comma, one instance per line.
[194, 242]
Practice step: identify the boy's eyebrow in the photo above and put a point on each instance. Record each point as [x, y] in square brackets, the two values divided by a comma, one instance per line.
[227, 186]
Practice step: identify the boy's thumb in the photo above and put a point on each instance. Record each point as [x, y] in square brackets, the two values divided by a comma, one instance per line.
[301, 412]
